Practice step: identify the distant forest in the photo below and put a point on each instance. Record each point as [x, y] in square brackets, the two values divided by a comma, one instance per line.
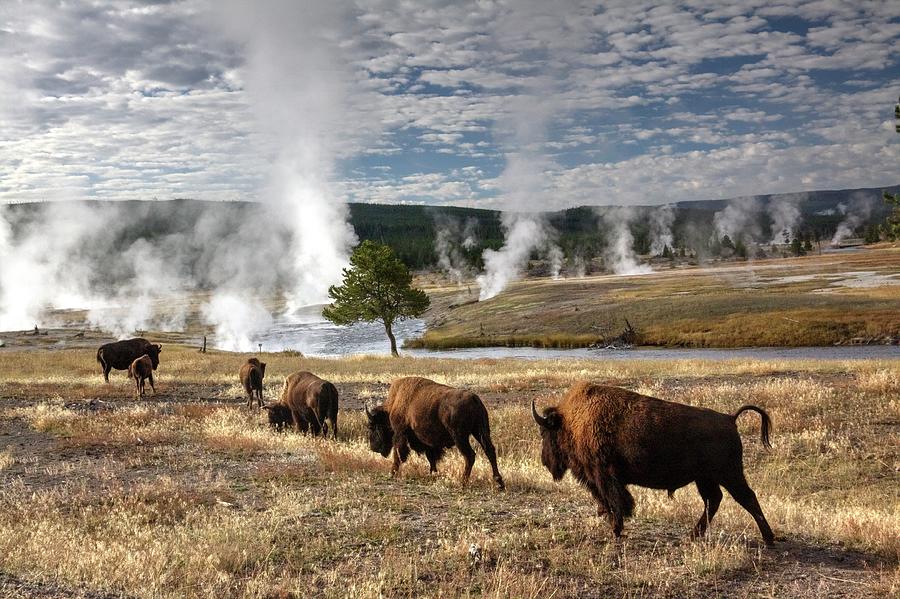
[580, 232]
[414, 232]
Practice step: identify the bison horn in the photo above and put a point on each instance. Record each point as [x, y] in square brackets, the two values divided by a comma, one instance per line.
[541, 420]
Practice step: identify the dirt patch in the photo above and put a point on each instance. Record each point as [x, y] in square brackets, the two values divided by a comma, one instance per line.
[12, 586]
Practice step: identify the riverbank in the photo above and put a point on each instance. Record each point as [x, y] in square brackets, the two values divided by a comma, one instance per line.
[809, 301]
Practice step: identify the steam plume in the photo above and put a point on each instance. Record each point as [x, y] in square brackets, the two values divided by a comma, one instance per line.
[661, 220]
[297, 81]
[859, 209]
[452, 236]
[524, 190]
[785, 215]
[523, 234]
[619, 254]
[738, 219]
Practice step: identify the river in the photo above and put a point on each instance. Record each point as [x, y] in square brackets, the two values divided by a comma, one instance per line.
[314, 336]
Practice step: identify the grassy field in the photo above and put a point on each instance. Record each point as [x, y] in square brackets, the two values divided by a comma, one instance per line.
[187, 494]
[813, 300]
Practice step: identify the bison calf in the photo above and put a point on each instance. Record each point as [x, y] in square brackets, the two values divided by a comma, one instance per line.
[121, 354]
[141, 370]
[307, 402]
[610, 437]
[252, 373]
[429, 418]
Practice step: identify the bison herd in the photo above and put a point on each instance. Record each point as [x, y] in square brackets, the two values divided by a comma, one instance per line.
[607, 437]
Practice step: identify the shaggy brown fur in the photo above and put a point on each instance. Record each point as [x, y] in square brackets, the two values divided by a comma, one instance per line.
[252, 373]
[308, 402]
[121, 354]
[430, 418]
[610, 437]
[141, 370]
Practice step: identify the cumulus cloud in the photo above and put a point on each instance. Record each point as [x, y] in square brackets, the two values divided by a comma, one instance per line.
[129, 100]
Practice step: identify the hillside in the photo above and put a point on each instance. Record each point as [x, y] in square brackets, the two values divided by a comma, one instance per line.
[412, 230]
[832, 298]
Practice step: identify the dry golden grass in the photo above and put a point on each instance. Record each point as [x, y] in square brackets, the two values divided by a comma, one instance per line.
[188, 495]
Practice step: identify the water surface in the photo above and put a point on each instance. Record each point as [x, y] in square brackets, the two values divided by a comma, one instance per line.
[314, 336]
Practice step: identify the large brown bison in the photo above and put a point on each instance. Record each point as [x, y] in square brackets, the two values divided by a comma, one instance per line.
[307, 402]
[141, 370]
[610, 437]
[252, 373]
[430, 418]
[121, 354]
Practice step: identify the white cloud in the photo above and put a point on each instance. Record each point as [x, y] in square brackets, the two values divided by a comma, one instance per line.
[126, 100]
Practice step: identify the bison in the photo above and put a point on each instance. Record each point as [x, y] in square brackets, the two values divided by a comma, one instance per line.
[252, 373]
[430, 418]
[308, 403]
[141, 370]
[121, 354]
[611, 437]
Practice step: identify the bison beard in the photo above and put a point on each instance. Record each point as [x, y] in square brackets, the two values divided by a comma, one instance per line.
[121, 354]
[429, 418]
[610, 437]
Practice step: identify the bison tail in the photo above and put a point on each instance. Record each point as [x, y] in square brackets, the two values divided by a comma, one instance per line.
[766, 422]
[100, 355]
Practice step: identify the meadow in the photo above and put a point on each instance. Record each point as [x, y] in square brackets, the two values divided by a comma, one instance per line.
[811, 300]
[188, 494]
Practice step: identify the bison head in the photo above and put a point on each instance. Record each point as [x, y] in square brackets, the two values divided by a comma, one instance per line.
[381, 435]
[153, 352]
[279, 415]
[552, 455]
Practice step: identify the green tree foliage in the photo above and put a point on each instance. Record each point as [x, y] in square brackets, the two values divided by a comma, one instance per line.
[376, 287]
[797, 246]
[727, 243]
[740, 250]
[872, 234]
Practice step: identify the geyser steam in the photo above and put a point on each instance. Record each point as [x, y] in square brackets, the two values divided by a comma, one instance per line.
[855, 214]
[297, 82]
[524, 191]
[619, 255]
[452, 238]
[785, 215]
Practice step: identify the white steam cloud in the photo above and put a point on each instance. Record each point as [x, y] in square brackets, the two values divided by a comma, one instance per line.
[661, 220]
[555, 256]
[131, 266]
[785, 215]
[524, 189]
[619, 255]
[855, 214]
[523, 234]
[452, 237]
[523, 32]
[738, 219]
[298, 83]
[237, 320]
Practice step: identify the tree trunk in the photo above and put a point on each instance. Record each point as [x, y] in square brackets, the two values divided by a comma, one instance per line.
[390, 334]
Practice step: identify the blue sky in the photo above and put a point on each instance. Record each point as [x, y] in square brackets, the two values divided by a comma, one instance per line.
[515, 105]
